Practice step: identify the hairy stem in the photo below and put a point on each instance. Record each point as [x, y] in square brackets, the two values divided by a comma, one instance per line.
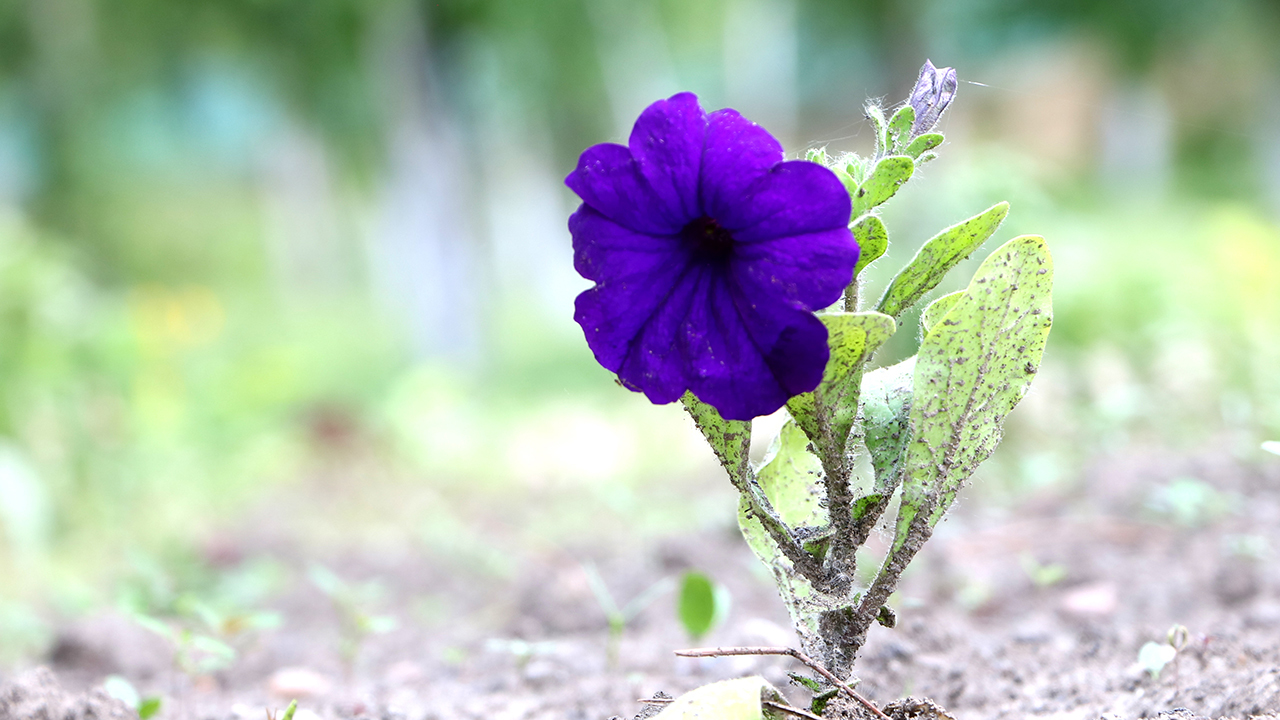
[885, 583]
[852, 294]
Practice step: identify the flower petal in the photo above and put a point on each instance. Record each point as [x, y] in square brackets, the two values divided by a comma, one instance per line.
[811, 270]
[609, 179]
[747, 360]
[795, 198]
[656, 363]
[738, 153]
[603, 250]
[666, 143]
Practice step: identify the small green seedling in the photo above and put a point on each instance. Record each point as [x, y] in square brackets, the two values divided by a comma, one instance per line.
[288, 712]
[121, 689]
[1190, 502]
[1154, 656]
[702, 605]
[194, 654]
[616, 616]
[1272, 446]
[1042, 576]
[352, 601]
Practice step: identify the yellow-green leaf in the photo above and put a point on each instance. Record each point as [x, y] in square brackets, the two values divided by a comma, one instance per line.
[888, 175]
[941, 253]
[729, 439]
[738, 699]
[972, 369]
[827, 414]
[936, 310]
[873, 240]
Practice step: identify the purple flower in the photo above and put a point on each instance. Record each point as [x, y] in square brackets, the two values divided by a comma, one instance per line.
[709, 255]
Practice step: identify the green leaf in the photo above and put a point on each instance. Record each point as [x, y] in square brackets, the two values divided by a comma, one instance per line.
[827, 413]
[923, 143]
[148, 708]
[702, 604]
[972, 369]
[889, 175]
[738, 699]
[817, 155]
[856, 166]
[880, 126]
[886, 409]
[936, 310]
[850, 185]
[900, 128]
[873, 240]
[729, 439]
[790, 476]
[865, 504]
[941, 253]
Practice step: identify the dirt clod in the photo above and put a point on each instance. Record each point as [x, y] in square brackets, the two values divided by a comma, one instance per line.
[36, 695]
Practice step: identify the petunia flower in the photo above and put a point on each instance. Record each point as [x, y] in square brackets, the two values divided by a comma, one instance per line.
[710, 255]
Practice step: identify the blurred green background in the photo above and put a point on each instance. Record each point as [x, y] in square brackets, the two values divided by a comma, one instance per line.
[249, 246]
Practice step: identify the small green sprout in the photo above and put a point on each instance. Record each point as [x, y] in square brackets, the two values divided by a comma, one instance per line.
[1154, 656]
[1042, 576]
[616, 616]
[1272, 446]
[352, 601]
[121, 689]
[1191, 502]
[288, 712]
[194, 654]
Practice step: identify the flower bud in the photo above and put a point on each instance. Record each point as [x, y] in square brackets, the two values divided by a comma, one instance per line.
[934, 91]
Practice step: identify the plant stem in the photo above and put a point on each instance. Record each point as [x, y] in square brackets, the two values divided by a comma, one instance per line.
[852, 296]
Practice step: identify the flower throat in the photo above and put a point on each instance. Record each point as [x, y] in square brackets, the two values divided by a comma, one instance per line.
[708, 241]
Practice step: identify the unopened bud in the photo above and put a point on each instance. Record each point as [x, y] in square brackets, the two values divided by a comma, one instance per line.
[934, 91]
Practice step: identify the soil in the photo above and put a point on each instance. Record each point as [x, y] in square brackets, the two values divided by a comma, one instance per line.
[1035, 610]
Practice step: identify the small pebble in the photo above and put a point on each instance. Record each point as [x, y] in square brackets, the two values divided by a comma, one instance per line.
[1093, 600]
[298, 682]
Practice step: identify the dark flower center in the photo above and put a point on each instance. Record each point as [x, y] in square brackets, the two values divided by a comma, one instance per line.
[708, 241]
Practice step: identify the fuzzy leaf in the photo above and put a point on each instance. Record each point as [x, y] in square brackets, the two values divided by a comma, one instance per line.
[729, 439]
[938, 309]
[900, 127]
[738, 699]
[886, 408]
[828, 413]
[923, 143]
[880, 126]
[971, 371]
[889, 175]
[941, 253]
[873, 240]
[850, 184]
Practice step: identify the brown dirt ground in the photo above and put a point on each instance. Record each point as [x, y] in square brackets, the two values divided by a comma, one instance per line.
[975, 633]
